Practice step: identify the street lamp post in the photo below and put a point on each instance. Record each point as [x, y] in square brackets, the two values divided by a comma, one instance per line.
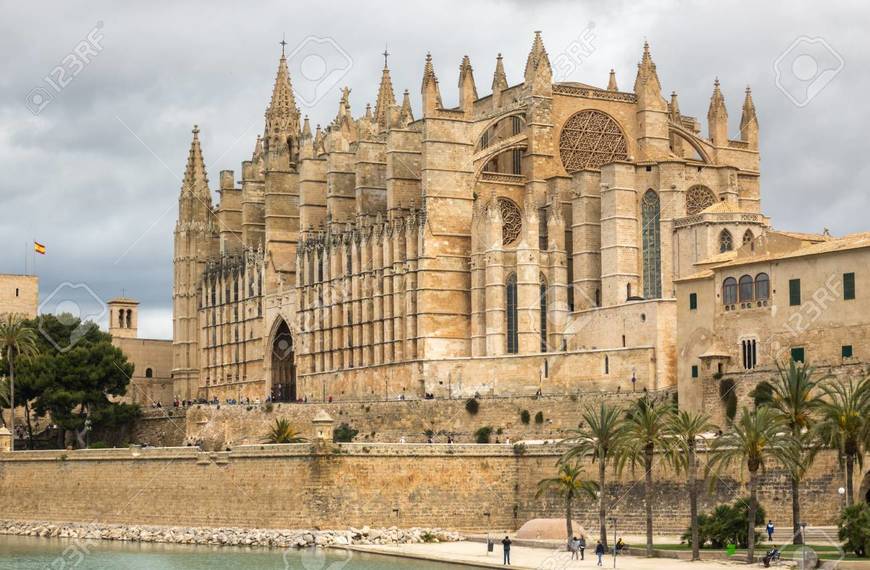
[613, 521]
[803, 545]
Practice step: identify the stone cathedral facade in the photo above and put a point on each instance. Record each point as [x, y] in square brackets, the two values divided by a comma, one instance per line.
[527, 239]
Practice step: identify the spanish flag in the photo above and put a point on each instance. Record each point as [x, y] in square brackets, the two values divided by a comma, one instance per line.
[38, 248]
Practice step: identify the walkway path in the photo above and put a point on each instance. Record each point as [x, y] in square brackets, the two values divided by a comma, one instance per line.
[474, 554]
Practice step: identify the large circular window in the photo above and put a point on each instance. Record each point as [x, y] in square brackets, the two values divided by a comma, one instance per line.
[590, 139]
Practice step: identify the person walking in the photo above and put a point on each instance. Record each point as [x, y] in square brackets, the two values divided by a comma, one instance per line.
[506, 544]
[581, 546]
[770, 530]
[572, 546]
[599, 552]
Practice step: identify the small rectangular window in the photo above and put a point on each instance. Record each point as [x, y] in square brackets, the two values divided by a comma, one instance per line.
[794, 292]
[693, 301]
[846, 351]
[797, 354]
[694, 371]
[848, 286]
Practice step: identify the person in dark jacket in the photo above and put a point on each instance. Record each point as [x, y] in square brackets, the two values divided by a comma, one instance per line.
[506, 543]
[581, 546]
[599, 551]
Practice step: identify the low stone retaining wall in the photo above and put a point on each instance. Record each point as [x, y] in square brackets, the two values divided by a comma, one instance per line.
[228, 536]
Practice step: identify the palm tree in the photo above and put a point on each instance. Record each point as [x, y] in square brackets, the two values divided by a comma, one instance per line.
[568, 483]
[4, 398]
[283, 432]
[845, 424]
[642, 434]
[599, 437]
[17, 340]
[683, 430]
[795, 395]
[758, 438]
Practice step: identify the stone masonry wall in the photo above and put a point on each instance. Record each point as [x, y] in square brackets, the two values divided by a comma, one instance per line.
[379, 421]
[466, 487]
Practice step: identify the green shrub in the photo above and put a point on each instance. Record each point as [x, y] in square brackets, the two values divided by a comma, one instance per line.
[525, 417]
[519, 448]
[762, 393]
[728, 394]
[499, 431]
[427, 537]
[98, 445]
[539, 418]
[344, 433]
[483, 434]
[726, 525]
[854, 529]
[472, 406]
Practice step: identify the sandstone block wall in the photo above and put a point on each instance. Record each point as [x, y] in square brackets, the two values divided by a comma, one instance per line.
[468, 487]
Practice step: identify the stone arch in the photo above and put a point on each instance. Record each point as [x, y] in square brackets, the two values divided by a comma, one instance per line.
[685, 136]
[283, 362]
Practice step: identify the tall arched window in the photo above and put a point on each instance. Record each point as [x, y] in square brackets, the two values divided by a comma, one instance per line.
[746, 289]
[651, 233]
[762, 287]
[512, 333]
[729, 291]
[747, 237]
[726, 242]
[543, 307]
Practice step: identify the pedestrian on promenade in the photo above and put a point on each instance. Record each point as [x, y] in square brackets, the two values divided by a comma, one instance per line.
[506, 543]
[599, 551]
[573, 547]
[770, 530]
[581, 546]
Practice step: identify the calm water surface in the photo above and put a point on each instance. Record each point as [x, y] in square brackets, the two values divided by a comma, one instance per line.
[31, 553]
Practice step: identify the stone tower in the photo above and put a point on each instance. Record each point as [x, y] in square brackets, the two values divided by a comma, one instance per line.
[123, 317]
[196, 240]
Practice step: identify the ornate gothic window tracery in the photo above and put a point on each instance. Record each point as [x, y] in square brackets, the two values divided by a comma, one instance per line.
[512, 221]
[748, 237]
[699, 198]
[651, 233]
[590, 139]
[726, 242]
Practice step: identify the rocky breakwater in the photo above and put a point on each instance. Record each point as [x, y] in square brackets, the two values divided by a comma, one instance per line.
[276, 538]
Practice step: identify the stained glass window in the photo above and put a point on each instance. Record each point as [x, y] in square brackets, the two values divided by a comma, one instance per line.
[512, 317]
[590, 139]
[726, 242]
[651, 233]
[543, 310]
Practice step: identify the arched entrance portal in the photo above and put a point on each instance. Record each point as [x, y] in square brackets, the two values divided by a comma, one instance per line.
[283, 366]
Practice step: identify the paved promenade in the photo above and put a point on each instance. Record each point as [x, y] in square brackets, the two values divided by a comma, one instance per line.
[474, 554]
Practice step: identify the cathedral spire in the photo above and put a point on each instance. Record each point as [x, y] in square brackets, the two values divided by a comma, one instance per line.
[499, 82]
[674, 107]
[717, 117]
[611, 83]
[647, 83]
[282, 120]
[749, 121]
[195, 178]
[537, 56]
[306, 128]
[467, 88]
[386, 97]
[406, 115]
[430, 91]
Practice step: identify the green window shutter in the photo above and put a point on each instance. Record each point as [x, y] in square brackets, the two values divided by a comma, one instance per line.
[693, 301]
[794, 292]
[847, 351]
[848, 286]
[694, 371]
[797, 354]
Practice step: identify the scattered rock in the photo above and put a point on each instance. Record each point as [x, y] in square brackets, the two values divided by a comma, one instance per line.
[281, 538]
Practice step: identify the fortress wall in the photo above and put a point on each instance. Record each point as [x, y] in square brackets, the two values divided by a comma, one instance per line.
[297, 486]
[379, 421]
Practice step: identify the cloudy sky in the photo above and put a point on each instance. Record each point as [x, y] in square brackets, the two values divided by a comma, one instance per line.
[97, 101]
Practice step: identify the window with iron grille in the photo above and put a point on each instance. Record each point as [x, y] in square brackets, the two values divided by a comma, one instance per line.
[848, 286]
[794, 292]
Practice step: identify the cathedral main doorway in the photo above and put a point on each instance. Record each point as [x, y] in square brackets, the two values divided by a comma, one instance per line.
[283, 366]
